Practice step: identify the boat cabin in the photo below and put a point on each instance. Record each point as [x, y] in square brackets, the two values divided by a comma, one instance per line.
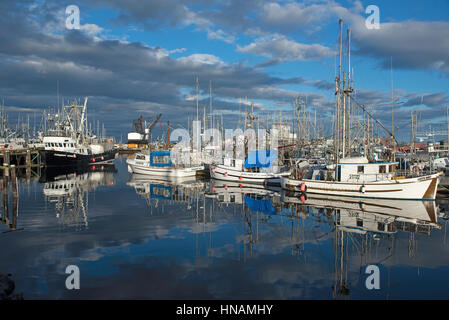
[257, 161]
[62, 144]
[361, 170]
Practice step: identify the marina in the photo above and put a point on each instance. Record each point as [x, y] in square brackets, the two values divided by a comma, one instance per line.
[285, 210]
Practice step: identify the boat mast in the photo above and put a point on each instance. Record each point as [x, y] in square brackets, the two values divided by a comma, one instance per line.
[168, 135]
[349, 91]
[447, 120]
[82, 122]
[210, 105]
[337, 135]
[197, 88]
[392, 113]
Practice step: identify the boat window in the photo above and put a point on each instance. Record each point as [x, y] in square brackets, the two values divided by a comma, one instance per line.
[140, 157]
[391, 227]
[381, 226]
[161, 159]
[392, 168]
[233, 163]
[360, 169]
[65, 145]
[382, 169]
[60, 144]
[52, 144]
[359, 223]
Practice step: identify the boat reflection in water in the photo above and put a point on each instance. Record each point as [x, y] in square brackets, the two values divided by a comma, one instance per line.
[360, 225]
[318, 242]
[362, 231]
[239, 193]
[159, 190]
[371, 215]
[68, 188]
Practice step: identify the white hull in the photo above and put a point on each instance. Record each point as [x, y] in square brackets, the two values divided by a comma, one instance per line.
[166, 172]
[226, 173]
[420, 188]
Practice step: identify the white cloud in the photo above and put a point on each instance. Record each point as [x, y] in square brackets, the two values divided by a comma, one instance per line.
[280, 48]
[91, 29]
[201, 58]
[220, 35]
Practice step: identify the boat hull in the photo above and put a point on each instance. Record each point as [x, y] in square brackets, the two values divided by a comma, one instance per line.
[166, 172]
[225, 173]
[52, 158]
[420, 188]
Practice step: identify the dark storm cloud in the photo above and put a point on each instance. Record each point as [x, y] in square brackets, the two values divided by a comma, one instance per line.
[37, 52]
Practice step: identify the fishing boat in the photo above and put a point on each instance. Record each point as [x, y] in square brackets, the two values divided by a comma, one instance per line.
[357, 177]
[159, 163]
[351, 173]
[68, 143]
[257, 168]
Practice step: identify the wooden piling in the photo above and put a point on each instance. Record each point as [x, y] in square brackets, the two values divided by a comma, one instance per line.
[5, 198]
[7, 158]
[28, 158]
[5, 171]
[15, 194]
[13, 177]
[28, 166]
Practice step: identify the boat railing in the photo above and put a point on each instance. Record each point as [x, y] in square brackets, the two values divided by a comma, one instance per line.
[374, 177]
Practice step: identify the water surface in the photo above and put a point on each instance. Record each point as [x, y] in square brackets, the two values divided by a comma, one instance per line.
[133, 238]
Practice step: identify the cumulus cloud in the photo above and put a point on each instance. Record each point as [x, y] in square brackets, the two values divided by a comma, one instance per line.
[279, 48]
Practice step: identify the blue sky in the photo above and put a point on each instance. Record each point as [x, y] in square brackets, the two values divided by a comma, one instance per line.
[134, 57]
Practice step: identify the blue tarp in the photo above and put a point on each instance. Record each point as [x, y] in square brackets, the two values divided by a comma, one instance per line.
[260, 158]
[263, 205]
[160, 154]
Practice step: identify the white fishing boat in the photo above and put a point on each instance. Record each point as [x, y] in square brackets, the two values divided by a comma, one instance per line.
[357, 177]
[258, 168]
[159, 163]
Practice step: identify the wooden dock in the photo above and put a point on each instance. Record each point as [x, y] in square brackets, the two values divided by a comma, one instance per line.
[26, 162]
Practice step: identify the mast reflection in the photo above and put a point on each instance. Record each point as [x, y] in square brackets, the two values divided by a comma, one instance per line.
[68, 189]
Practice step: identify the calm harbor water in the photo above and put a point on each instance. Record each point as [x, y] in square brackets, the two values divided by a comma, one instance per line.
[133, 238]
